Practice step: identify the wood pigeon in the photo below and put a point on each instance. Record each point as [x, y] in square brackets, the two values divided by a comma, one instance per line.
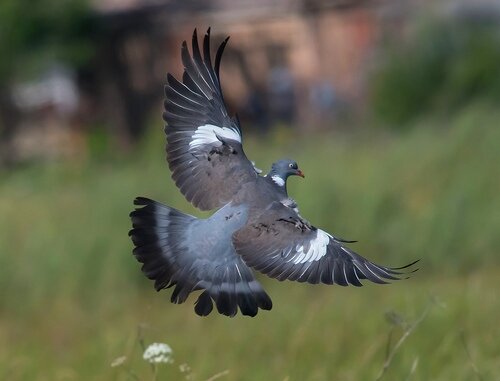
[256, 225]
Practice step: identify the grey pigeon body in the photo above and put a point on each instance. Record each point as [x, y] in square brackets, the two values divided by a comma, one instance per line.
[255, 226]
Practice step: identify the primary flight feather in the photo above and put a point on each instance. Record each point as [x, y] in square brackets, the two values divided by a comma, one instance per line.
[257, 226]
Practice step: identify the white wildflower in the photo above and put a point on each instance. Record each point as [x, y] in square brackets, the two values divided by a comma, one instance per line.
[118, 361]
[184, 368]
[158, 353]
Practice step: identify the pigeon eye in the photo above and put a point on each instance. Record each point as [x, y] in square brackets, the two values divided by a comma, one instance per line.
[290, 165]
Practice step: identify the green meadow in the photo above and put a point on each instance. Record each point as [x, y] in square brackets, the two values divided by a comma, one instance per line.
[73, 298]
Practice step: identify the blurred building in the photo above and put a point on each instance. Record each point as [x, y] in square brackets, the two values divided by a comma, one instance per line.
[289, 61]
[296, 62]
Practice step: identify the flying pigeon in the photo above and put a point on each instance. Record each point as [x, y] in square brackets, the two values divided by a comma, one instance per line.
[256, 225]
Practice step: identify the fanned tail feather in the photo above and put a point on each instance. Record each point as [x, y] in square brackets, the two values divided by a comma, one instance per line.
[159, 236]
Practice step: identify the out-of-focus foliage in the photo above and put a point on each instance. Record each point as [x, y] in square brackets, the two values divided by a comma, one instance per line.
[36, 32]
[68, 274]
[441, 66]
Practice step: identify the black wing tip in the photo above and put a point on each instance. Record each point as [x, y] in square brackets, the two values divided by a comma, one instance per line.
[194, 39]
[403, 275]
[218, 55]
[194, 42]
[222, 45]
[386, 275]
[343, 240]
[406, 266]
[396, 270]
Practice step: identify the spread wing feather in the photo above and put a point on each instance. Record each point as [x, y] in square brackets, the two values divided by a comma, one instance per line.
[280, 244]
[204, 149]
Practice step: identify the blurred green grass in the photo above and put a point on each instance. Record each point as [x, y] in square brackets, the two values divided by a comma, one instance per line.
[73, 295]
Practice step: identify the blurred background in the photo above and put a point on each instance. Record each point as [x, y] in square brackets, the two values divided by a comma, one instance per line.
[391, 108]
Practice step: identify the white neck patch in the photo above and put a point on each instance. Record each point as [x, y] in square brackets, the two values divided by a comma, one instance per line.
[278, 180]
[317, 248]
[207, 134]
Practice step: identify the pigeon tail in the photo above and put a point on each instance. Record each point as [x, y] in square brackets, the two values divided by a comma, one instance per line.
[163, 239]
[155, 234]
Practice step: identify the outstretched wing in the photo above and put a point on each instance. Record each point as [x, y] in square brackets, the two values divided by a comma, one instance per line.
[280, 244]
[204, 150]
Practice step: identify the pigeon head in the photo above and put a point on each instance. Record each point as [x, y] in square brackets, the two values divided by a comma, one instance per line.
[281, 169]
